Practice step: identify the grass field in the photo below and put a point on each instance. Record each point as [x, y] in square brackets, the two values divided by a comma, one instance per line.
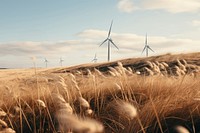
[159, 94]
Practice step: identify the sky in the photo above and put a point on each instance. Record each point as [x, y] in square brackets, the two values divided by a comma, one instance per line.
[74, 29]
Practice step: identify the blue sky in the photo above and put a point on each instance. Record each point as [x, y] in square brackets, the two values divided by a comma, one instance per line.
[73, 29]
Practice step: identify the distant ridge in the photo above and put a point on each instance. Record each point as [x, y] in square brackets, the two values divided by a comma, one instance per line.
[135, 63]
[3, 68]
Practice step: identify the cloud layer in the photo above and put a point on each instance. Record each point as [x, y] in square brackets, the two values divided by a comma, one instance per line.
[126, 6]
[172, 6]
[82, 49]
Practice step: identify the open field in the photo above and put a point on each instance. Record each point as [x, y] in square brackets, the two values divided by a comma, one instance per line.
[159, 94]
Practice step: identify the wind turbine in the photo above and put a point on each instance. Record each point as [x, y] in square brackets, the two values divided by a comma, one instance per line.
[95, 58]
[147, 47]
[109, 41]
[46, 61]
[61, 60]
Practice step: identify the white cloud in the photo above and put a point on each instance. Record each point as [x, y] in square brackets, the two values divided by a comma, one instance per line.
[126, 6]
[196, 22]
[173, 6]
[74, 51]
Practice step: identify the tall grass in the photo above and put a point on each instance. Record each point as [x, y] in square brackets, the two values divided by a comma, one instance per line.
[118, 101]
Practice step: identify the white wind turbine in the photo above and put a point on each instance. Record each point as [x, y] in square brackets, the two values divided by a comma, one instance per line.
[147, 47]
[61, 61]
[95, 58]
[110, 41]
[46, 62]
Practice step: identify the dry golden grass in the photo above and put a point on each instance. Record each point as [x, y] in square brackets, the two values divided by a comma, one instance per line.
[104, 97]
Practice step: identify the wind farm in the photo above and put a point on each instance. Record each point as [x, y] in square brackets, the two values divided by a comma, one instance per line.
[104, 97]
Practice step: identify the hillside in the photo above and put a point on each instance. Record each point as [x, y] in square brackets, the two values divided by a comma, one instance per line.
[158, 94]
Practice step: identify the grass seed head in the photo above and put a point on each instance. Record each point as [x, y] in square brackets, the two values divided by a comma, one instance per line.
[41, 103]
[61, 104]
[3, 124]
[124, 109]
[77, 125]
[83, 103]
[181, 129]
[88, 112]
[7, 130]
[2, 113]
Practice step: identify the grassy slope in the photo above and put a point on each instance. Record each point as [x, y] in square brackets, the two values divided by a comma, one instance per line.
[162, 102]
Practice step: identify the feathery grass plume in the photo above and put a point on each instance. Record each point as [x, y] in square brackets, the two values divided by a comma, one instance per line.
[3, 124]
[178, 62]
[178, 71]
[118, 86]
[181, 129]
[83, 103]
[130, 69]
[157, 63]
[184, 62]
[72, 76]
[181, 66]
[114, 71]
[73, 79]
[61, 87]
[79, 125]
[88, 112]
[112, 74]
[127, 72]
[138, 72]
[156, 69]
[165, 64]
[119, 64]
[120, 70]
[149, 64]
[41, 104]
[2, 113]
[61, 105]
[123, 109]
[88, 72]
[61, 79]
[79, 72]
[99, 73]
[161, 66]
[7, 130]
[148, 71]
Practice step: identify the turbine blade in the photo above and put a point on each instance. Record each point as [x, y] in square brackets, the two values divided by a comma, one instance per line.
[143, 49]
[150, 49]
[110, 29]
[103, 42]
[113, 43]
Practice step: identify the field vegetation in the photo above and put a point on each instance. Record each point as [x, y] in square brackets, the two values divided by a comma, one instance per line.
[159, 94]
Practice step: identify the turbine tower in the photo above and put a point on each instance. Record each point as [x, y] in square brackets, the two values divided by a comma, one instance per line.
[109, 41]
[147, 47]
[61, 60]
[46, 61]
[95, 58]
